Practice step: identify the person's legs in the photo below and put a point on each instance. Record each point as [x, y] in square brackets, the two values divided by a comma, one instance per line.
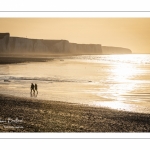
[36, 90]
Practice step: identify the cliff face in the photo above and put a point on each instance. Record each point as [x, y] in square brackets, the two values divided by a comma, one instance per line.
[56, 46]
[24, 45]
[20, 45]
[85, 48]
[4, 40]
[115, 50]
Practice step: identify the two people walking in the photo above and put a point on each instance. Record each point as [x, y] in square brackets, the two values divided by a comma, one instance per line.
[34, 88]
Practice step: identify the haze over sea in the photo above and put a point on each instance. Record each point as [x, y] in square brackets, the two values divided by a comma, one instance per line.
[115, 81]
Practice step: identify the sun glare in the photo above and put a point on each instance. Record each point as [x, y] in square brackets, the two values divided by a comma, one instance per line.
[121, 77]
[123, 71]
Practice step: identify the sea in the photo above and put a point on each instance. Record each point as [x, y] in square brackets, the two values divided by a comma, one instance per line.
[119, 82]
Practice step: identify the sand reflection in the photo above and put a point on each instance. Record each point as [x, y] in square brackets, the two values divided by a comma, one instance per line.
[121, 83]
[121, 76]
[115, 105]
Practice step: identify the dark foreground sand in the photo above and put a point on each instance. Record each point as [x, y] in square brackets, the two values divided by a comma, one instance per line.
[33, 115]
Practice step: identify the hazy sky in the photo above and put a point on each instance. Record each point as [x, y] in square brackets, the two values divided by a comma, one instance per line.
[132, 33]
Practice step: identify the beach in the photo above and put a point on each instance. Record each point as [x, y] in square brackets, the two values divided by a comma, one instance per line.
[70, 102]
[31, 115]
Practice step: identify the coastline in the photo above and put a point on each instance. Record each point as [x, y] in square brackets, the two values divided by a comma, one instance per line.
[32, 115]
[22, 59]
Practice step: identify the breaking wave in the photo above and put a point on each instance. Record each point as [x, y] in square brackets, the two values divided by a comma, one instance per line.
[12, 78]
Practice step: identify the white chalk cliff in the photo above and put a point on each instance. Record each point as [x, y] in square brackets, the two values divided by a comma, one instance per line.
[24, 45]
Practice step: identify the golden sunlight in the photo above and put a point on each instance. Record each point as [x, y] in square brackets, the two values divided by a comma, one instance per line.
[121, 75]
[123, 71]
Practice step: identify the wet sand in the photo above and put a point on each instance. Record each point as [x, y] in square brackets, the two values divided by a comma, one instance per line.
[33, 115]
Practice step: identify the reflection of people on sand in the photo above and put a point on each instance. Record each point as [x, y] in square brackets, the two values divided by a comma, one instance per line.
[35, 94]
[31, 94]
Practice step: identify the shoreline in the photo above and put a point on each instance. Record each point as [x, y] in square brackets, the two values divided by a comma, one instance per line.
[32, 115]
[14, 60]
[18, 58]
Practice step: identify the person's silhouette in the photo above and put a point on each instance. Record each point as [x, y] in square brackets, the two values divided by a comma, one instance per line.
[36, 88]
[32, 88]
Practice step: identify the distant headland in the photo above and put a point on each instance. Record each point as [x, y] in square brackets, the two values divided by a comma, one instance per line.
[22, 45]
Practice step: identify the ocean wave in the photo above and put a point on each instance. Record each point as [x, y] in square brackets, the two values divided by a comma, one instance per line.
[12, 78]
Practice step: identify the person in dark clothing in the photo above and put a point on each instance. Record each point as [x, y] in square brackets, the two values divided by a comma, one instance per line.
[36, 88]
[32, 88]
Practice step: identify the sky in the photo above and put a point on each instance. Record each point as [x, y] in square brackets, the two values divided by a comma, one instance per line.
[132, 33]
